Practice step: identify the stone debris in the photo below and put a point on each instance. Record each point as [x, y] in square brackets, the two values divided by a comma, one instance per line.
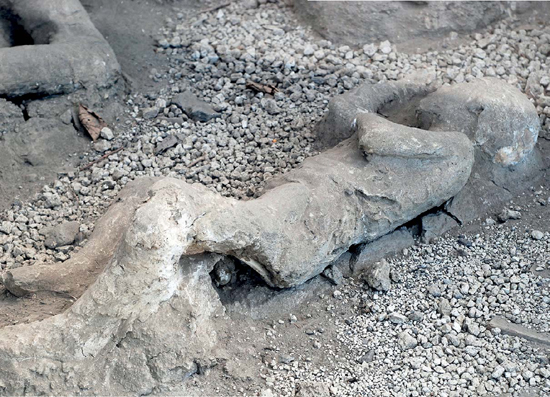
[61, 235]
[435, 225]
[167, 143]
[444, 307]
[150, 113]
[194, 108]
[406, 341]
[397, 318]
[107, 133]
[377, 276]
[10, 115]
[508, 214]
[67, 117]
[480, 346]
[102, 146]
[334, 275]
[376, 250]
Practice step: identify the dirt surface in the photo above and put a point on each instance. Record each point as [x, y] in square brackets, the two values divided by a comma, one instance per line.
[15, 310]
[34, 155]
[131, 26]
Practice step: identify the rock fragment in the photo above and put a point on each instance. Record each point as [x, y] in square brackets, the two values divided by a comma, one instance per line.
[334, 275]
[167, 143]
[250, 4]
[102, 146]
[10, 114]
[150, 113]
[367, 357]
[435, 225]
[67, 117]
[444, 307]
[434, 290]
[406, 341]
[52, 199]
[377, 276]
[387, 245]
[508, 214]
[498, 372]
[271, 106]
[107, 133]
[60, 235]
[195, 108]
[397, 318]
[313, 389]
[509, 328]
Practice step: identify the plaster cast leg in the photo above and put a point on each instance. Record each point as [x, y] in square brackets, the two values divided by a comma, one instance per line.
[72, 277]
[112, 329]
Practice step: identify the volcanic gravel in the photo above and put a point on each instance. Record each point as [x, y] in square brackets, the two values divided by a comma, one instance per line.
[428, 335]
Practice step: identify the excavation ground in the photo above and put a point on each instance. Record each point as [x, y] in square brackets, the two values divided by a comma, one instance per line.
[282, 342]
